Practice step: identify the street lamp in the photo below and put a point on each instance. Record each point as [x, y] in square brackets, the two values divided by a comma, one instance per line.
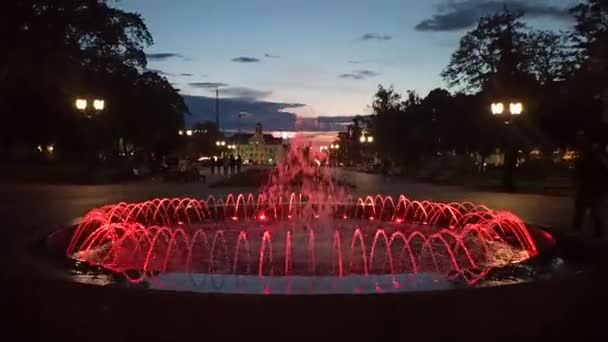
[189, 132]
[516, 109]
[332, 147]
[366, 139]
[83, 104]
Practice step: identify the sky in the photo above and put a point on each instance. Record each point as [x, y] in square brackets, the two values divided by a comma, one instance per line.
[315, 57]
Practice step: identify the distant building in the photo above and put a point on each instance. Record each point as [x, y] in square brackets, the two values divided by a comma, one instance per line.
[258, 148]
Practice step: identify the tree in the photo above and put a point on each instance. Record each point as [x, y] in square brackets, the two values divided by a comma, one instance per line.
[591, 38]
[551, 58]
[387, 108]
[58, 50]
[385, 100]
[591, 24]
[478, 56]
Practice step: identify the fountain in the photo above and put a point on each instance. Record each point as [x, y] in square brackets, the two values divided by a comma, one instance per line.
[300, 234]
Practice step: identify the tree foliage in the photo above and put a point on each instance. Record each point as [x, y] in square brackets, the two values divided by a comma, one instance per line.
[551, 55]
[477, 58]
[60, 50]
[544, 55]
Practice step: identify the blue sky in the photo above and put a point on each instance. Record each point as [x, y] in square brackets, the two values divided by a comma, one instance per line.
[327, 55]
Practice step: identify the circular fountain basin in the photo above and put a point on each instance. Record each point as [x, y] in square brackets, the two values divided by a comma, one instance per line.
[243, 246]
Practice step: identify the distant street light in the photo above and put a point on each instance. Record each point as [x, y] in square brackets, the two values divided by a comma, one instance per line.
[366, 139]
[189, 132]
[180, 132]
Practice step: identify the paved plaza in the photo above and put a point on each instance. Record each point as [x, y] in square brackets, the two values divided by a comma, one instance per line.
[47, 206]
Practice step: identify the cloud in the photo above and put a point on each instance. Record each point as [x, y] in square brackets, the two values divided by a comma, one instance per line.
[207, 85]
[359, 75]
[267, 55]
[375, 36]
[457, 15]
[186, 74]
[273, 115]
[243, 59]
[245, 93]
[163, 56]
[368, 73]
[352, 76]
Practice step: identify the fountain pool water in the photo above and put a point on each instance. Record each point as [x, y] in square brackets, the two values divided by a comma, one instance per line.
[288, 243]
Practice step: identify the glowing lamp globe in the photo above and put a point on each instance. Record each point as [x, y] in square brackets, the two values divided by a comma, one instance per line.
[99, 104]
[516, 108]
[497, 108]
[81, 104]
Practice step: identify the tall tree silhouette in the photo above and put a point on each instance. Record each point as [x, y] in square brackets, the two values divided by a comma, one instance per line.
[478, 56]
[58, 50]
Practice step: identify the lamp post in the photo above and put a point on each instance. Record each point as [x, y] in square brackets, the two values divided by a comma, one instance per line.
[514, 110]
[241, 114]
[365, 139]
[89, 110]
[333, 147]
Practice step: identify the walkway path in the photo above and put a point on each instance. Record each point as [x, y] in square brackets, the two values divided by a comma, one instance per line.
[52, 205]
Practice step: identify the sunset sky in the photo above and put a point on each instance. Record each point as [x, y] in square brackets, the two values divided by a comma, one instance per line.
[325, 57]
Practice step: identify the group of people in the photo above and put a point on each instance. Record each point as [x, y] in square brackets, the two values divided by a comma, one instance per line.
[226, 165]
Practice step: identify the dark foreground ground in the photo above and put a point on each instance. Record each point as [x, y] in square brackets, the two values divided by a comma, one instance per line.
[40, 307]
[539, 311]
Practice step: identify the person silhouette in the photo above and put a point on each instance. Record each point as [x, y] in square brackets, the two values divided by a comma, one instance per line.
[232, 164]
[591, 174]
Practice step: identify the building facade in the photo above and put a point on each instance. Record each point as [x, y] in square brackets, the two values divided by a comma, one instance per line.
[257, 148]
